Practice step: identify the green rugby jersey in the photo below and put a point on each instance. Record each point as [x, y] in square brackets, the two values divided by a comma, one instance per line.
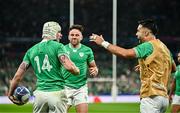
[43, 57]
[144, 50]
[81, 56]
[177, 77]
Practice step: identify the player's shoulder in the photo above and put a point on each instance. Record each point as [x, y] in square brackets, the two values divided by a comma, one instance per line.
[66, 45]
[49, 43]
[146, 43]
[55, 44]
[33, 47]
[85, 47]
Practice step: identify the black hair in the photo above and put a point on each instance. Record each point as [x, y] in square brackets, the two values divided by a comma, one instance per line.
[150, 24]
[77, 26]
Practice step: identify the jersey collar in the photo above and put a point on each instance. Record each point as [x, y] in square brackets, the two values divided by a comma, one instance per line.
[74, 49]
[70, 46]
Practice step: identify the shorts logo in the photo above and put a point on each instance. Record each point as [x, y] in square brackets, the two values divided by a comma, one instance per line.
[81, 54]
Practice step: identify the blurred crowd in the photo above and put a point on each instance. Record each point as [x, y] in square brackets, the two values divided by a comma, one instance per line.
[22, 19]
[127, 79]
[21, 26]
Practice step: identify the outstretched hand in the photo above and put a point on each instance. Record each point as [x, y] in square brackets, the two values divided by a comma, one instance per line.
[97, 39]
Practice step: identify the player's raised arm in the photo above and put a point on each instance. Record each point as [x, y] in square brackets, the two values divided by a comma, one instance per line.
[119, 51]
[69, 65]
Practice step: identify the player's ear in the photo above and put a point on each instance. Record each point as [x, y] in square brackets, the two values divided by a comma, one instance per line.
[69, 37]
[146, 32]
[81, 37]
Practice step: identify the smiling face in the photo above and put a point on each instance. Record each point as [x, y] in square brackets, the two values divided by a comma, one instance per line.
[142, 33]
[75, 37]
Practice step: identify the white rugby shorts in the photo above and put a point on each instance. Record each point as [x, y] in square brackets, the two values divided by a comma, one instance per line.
[154, 104]
[50, 102]
[77, 96]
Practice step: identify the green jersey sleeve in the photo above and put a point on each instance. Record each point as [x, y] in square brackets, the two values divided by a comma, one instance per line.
[61, 50]
[177, 77]
[91, 56]
[143, 50]
[177, 73]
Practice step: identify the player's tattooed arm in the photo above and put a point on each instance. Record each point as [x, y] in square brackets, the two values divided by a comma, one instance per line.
[68, 64]
[24, 66]
[17, 77]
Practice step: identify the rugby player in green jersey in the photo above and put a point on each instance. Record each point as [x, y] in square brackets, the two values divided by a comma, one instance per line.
[155, 65]
[82, 56]
[175, 87]
[46, 58]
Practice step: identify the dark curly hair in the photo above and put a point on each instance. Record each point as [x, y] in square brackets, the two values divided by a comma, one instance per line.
[150, 24]
[77, 26]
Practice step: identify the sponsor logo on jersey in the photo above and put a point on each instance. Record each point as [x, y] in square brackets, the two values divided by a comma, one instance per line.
[81, 54]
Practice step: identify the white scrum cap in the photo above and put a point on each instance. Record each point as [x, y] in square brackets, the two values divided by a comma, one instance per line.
[50, 29]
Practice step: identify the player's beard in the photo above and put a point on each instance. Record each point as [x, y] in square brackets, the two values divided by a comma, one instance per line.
[75, 42]
[139, 39]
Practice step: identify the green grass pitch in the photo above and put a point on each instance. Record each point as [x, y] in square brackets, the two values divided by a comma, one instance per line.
[93, 108]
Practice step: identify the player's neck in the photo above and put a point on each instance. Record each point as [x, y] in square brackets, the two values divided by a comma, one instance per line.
[149, 38]
[45, 40]
[75, 46]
